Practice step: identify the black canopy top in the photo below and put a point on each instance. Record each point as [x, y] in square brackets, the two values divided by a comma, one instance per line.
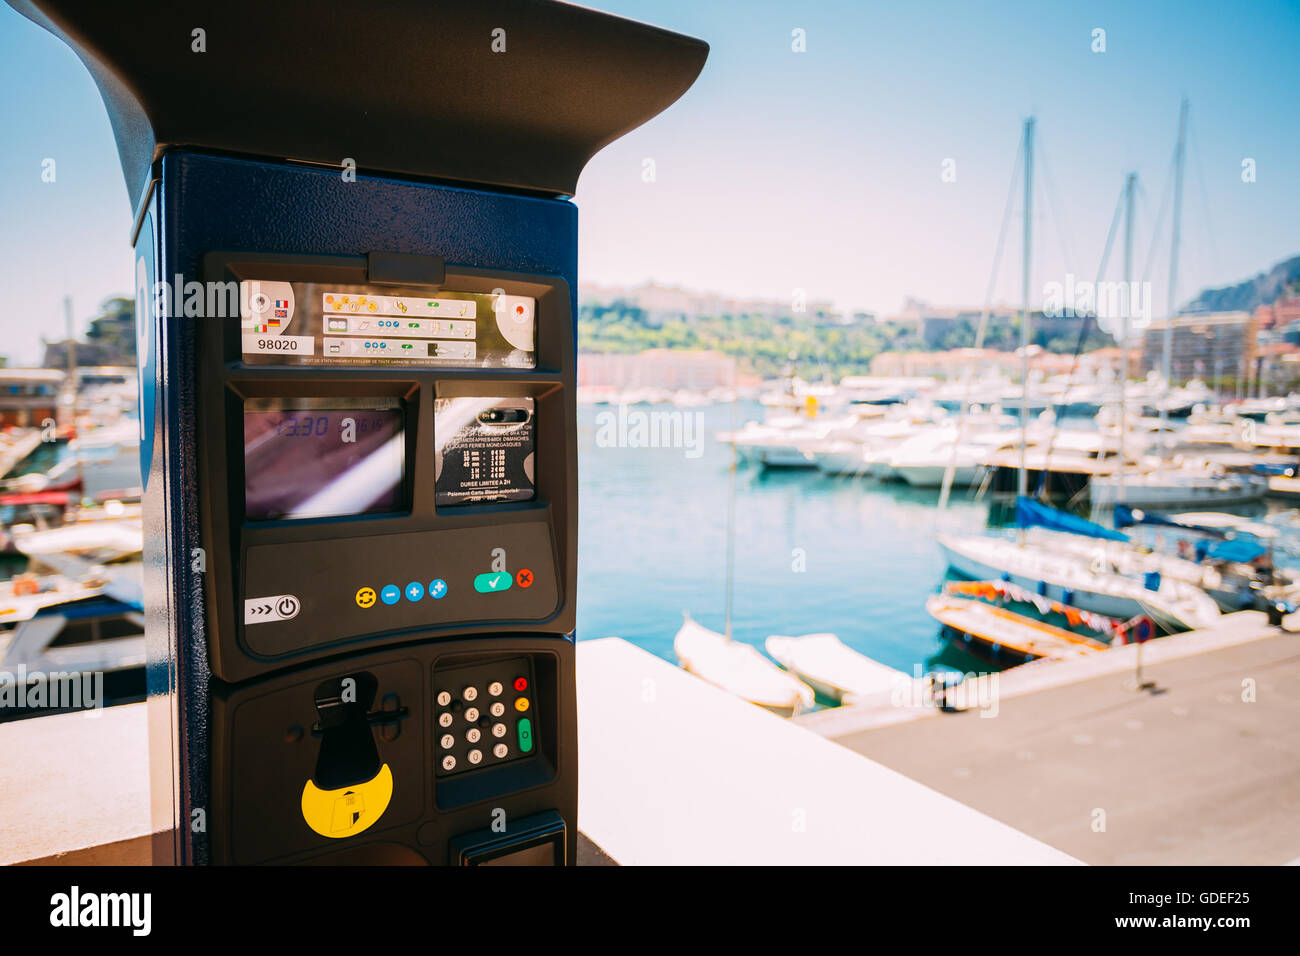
[418, 87]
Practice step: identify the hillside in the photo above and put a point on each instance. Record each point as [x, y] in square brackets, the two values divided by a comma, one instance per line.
[1249, 295]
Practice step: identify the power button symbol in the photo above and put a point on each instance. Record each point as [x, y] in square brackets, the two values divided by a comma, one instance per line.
[274, 607]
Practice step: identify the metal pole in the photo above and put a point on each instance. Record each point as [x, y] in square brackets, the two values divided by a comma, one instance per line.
[1023, 482]
[1126, 332]
[72, 392]
[731, 528]
[1173, 275]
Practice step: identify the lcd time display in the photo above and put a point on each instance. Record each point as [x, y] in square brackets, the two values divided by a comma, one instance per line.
[315, 323]
[317, 460]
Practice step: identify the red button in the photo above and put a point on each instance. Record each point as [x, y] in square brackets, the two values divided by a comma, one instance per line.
[521, 684]
[524, 578]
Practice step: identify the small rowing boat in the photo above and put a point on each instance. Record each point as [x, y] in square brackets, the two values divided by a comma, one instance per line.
[831, 667]
[740, 669]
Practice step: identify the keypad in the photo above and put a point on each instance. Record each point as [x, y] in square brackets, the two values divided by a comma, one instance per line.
[482, 717]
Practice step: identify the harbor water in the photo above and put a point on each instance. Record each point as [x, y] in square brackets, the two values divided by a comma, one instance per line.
[813, 553]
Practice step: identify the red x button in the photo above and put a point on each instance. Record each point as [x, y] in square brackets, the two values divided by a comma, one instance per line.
[524, 578]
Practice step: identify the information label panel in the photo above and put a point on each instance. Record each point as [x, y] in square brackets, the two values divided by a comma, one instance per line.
[313, 323]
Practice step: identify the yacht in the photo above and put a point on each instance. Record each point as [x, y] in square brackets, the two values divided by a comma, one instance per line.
[1187, 486]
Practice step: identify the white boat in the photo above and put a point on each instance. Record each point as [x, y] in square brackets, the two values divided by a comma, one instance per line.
[106, 459]
[923, 463]
[25, 595]
[88, 653]
[35, 645]
[1161, 490]
[740, 669]
[832, 668]
[104, 553]
[109, 539]
[785, 441]
[1227, 586]
[1060, 576]
[795, 393]
[842, 457]
[855, 449]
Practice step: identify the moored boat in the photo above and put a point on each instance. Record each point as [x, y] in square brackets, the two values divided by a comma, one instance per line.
[1087, 581]
[1005, 635]
[832, 668]
[740, 669]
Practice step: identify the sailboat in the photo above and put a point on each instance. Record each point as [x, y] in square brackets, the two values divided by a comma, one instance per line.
[1171, 487]
[1090, 583]
[1175, 488]
[1233, 556]
[735, 666]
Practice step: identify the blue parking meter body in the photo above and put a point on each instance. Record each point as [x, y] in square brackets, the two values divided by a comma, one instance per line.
[358, 439]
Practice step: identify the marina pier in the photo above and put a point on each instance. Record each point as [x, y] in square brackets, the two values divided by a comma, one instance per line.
[1200, 768]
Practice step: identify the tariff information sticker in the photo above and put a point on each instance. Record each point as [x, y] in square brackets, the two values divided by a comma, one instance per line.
[485, 449]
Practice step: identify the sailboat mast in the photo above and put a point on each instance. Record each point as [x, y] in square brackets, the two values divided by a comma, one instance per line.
[731, 530]
[1022, 485]
[1173, 276]
[1126, 331]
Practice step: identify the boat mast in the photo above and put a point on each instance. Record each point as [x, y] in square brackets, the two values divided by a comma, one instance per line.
[1126, 332]
[1022, 485]
[1173, 277]
[731, 529]
[72, 394]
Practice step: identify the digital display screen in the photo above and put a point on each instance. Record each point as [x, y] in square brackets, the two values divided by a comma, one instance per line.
[317, 460]
[317, 323]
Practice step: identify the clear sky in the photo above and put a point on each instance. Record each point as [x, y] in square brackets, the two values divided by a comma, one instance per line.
[818, 170]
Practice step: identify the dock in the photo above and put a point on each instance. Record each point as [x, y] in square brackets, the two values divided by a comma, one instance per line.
[1201, 768]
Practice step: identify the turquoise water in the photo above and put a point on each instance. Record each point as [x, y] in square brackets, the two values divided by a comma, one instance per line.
[652, 543]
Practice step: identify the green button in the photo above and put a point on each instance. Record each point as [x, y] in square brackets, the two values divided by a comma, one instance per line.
[525, 734]
[487, 583]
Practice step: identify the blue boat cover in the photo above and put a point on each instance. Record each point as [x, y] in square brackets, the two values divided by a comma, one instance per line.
[1236, 549]
[1030, 512]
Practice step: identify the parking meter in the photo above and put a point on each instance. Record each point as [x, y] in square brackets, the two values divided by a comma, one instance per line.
[355, 280]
